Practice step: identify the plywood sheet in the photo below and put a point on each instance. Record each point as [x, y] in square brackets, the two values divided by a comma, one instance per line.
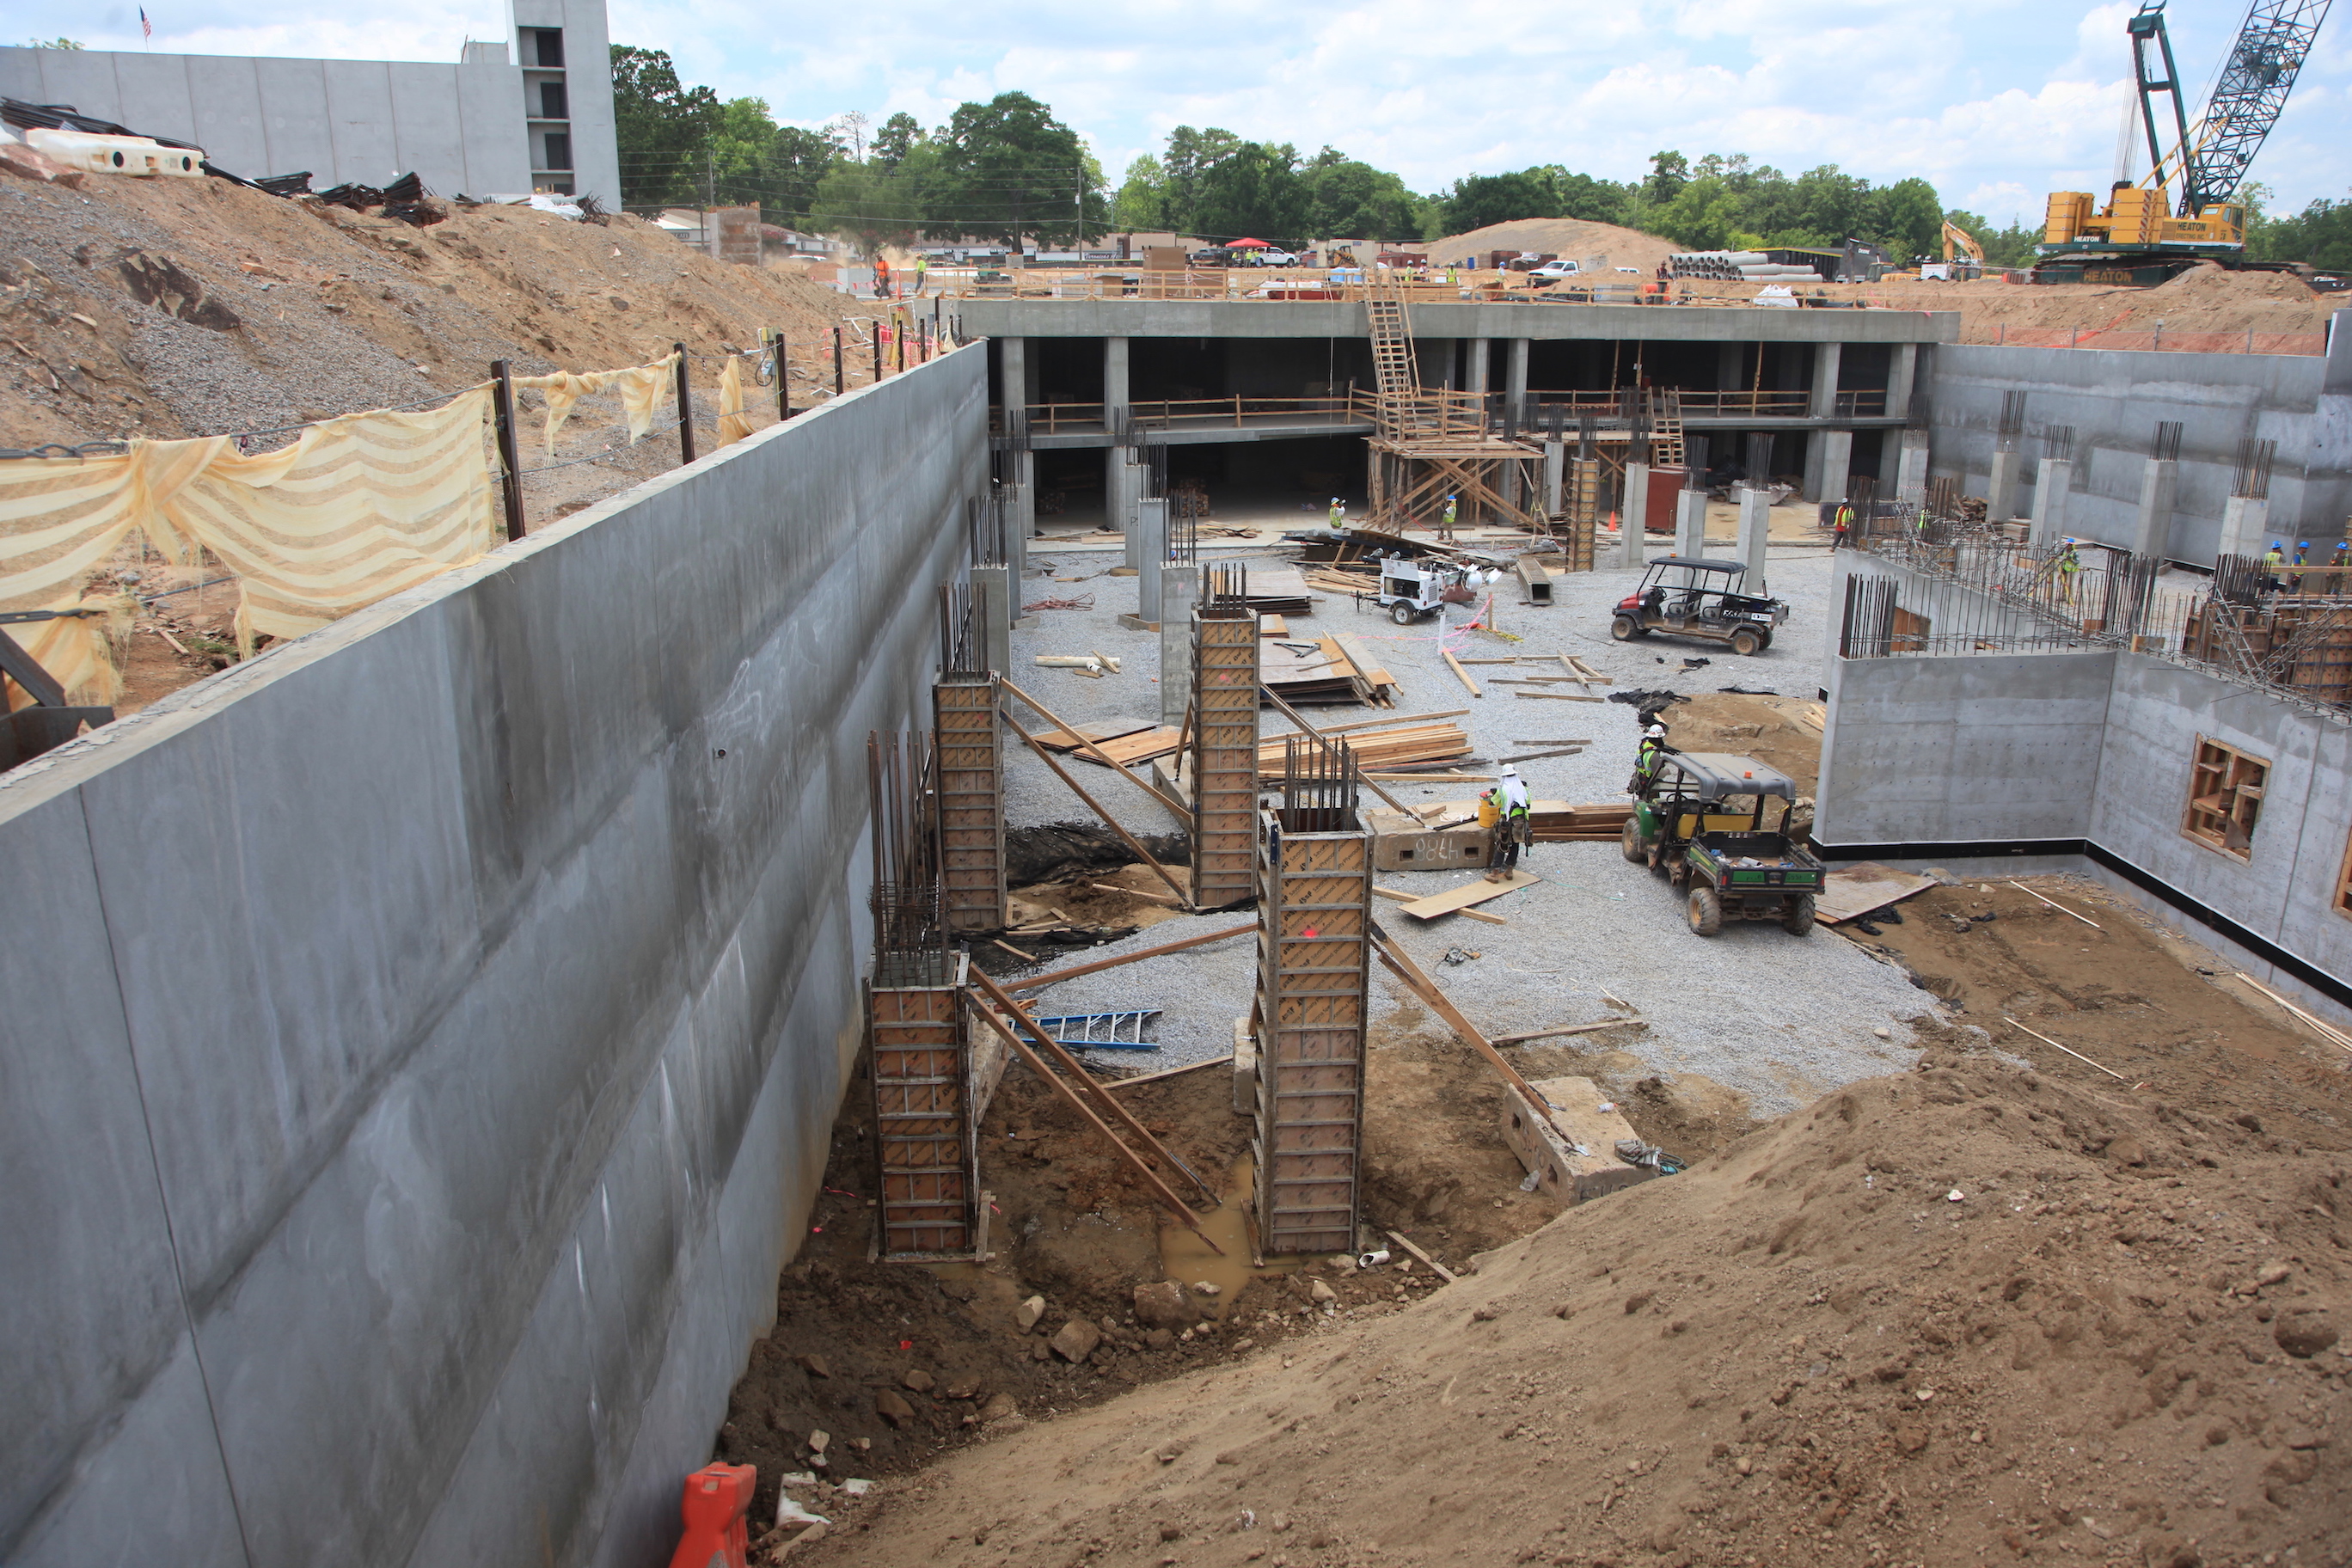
[1868, 885]
[1467, 894]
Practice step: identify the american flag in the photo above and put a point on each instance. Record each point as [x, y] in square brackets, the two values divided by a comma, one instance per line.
[145, 26]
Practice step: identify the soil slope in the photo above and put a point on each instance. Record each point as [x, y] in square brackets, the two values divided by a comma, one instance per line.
[1574, 239]
[1970, 1312]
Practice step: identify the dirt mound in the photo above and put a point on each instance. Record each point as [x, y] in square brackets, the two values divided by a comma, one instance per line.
[178, 308]
[2202, 299]
[1574, 239]
[1971, 1311]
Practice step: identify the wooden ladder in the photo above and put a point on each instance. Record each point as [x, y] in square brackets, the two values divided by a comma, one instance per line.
[1394, 370]
[1666, 448]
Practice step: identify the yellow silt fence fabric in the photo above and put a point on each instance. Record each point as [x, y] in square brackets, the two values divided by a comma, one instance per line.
[356, 510]
[641, 387]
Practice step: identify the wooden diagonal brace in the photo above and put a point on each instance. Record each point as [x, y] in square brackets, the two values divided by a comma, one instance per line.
[1096, 806]
[1175, 807]
[1401, 964]
[1054, 1049]
[1174, 1203]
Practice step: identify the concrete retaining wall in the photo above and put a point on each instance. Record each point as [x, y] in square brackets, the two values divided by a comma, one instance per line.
[2114, 399]
[422, 1042]
[1994, 747]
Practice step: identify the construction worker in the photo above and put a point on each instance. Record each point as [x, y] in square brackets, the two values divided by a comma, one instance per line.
[922, 271]
[2338, 562]
[1339, 514]
[2069, 565]
[2301, 551]
[2274, 558]
[1653, 747]
[1508, 803]
[1842, 520]
[881, 275]
[1445, 519]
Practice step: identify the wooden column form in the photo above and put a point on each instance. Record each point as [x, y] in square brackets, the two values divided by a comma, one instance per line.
[929, 1094]
[1314, 967]
[1224, 760]
[971, 801]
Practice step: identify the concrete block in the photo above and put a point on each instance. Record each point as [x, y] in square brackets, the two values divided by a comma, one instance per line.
[1581, 1165]
[2000, 490]
[2052, 488]
[1400, 842]
[2160, 483]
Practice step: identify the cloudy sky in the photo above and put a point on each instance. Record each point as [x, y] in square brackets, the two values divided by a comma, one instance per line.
[1996, 101]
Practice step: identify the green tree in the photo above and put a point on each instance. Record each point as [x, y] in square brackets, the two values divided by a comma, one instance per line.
[1143, 200]
[1669, 172]
[1254, 192]
[664, 128]
[53, 43]
[1907, 215]
[1190, 154]
[2319, 235]
[1353, 200]
[896, 139]
[1583, 196]
[1478, 200]
[797, 163]
[1008, 169]
[868, 203]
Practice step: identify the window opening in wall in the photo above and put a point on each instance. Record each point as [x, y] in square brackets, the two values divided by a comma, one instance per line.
[551, 104]
[2344, 882]
[2225, 798]
[550, 47]
[559, 150]
[1911, 631]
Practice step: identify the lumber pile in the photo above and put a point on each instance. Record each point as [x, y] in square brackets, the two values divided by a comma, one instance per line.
[1328, 674]
[1281, 603]
[1577, 824]
[1384, 751]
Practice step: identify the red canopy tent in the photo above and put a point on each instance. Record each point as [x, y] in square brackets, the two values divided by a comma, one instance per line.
[1247, 245]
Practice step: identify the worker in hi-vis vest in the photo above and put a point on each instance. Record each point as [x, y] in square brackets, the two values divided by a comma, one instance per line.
[1506, 803]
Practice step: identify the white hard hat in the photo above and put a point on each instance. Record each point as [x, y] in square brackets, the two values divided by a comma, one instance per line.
[1655, 732]
[1509, 772]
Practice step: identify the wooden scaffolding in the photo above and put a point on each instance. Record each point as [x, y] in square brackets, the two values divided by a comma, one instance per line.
[1224, 760]
[1315, 893]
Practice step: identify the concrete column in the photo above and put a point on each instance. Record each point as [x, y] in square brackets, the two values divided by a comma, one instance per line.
[1555, 463]
[1837, 461]
[993, 587]
[1024, 506]
[1115, 393]
[1180, 591]
[1911, 469]
[1758, 460]
[1755, 526]
[1631, 521]
[1826, 358]
[2051, 490]
[1902, 376]
[1148, 539]
[1690, 522]
[2245, 526]
[2152, 530]
[1012, 377]
[1473, 373]
[1732, 367]
[1126, 474]
[1434, 358]
[2000, 494]
[1515, 370]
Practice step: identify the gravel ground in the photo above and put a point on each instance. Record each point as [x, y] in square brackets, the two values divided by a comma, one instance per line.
[1779, 1018]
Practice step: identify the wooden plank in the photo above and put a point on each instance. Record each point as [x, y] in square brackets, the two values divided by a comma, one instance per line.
[1126, 751]
[1433, 1265]
[1557, 697]
[1856, 889]
[1110, 821]
[1087, 748]
[1569, 1030]
[1464, 675]
[1273, 626]
[1096, 730]
[1468, 893]
[1403, 897]
[1040, 982]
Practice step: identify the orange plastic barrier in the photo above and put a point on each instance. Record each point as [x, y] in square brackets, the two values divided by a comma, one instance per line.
[717, 1498]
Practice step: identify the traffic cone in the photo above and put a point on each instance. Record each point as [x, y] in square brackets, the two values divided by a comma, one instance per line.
[717, 1498]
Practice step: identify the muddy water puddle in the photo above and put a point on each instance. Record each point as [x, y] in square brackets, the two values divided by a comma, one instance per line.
[1187, 1260]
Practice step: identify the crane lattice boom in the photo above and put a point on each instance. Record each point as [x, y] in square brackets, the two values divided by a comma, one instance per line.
[2272, 45]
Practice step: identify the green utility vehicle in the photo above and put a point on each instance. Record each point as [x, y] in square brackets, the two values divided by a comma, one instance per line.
[1735, 867]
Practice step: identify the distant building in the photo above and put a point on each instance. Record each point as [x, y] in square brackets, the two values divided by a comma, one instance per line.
[531, 114]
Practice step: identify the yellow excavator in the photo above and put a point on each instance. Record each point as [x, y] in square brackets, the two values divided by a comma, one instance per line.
[1946, 271]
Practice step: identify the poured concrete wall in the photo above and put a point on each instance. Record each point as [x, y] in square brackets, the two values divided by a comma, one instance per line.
[1446, 319]
[1991, 749]
[2114, 400]
[361, 121]
[422, 1042]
